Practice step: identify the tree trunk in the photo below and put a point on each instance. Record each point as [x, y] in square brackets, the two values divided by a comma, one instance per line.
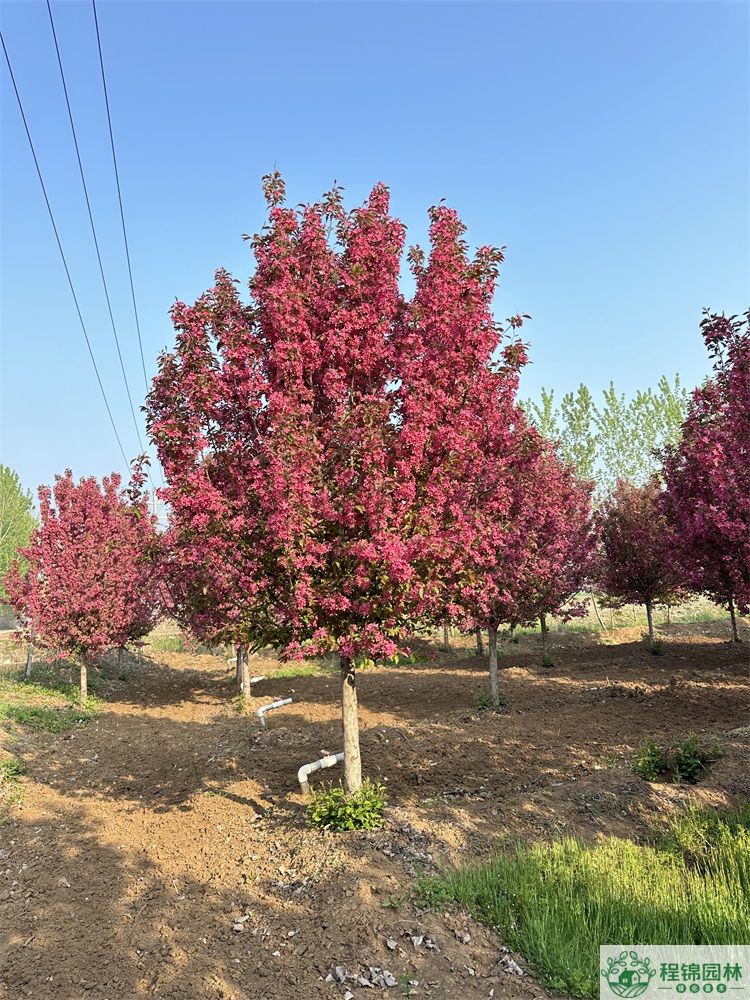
[120, 657]
[733, 617]
[29, 659]
[245, 674]
[350, 722]
[492, 643]
[446, 636]
[596, 610]
[650, 620]
[635, 616]
[669, 614]
[543, 627]
[84, 683]
[238, 667]
[480, 641]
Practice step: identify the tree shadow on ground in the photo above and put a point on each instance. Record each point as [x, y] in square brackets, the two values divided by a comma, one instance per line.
[89, 918]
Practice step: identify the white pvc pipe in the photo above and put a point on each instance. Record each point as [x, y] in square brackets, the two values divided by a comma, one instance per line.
[317, 765]
[257, 680]
[261, 713]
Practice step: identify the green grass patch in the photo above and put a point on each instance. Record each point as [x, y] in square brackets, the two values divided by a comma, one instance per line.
[58, 719]
[45, 683]
[169, 644]
[179, 644]
[319, 669]
[557, 903]
[11, 793]
[11, 769]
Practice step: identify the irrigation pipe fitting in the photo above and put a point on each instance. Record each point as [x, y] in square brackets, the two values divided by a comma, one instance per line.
[261, 713]
[317, 765]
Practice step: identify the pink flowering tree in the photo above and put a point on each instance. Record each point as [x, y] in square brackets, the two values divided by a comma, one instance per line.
[636, 565]
[319, 443]
[537, 546]
[90, 579]
[560, 543]
[707, 499]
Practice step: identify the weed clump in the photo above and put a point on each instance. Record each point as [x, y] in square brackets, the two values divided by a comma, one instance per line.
[650, 762]
[332, 808]
[686, 763]
[483, 701]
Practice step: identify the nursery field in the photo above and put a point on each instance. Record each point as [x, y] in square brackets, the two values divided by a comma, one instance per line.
[156, 844]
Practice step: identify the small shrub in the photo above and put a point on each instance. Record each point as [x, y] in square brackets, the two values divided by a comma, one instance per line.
[650, 762]
[547, 661]
[691, 759]
[331, 808]
[657, 648]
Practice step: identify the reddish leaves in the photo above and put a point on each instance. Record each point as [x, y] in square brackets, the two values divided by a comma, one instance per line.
[91, 580]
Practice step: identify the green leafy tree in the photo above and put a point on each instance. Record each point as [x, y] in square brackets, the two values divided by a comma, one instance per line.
[673, 405]
[579, 440]
[617, 438]
[543, 415]
[17, 521]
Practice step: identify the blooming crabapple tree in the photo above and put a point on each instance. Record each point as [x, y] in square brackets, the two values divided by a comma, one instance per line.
[319, 443]
[636, 544]
[707, 497]
[89, 582]
[554, 508]
[539, 542]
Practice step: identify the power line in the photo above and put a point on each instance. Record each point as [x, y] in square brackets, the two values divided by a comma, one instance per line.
[93, 227]
[119, 193]
[62, 252]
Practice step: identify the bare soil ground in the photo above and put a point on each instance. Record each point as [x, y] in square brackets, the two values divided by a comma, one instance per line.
[147, 834]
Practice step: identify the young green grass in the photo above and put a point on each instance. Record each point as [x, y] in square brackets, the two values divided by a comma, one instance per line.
[11, 793]
[320, 668]
[45, 683]
[11, 769]
[53, 720]
[46, 702]
[556, 903]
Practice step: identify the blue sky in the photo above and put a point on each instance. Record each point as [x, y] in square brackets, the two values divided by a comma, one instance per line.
[606, 144]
